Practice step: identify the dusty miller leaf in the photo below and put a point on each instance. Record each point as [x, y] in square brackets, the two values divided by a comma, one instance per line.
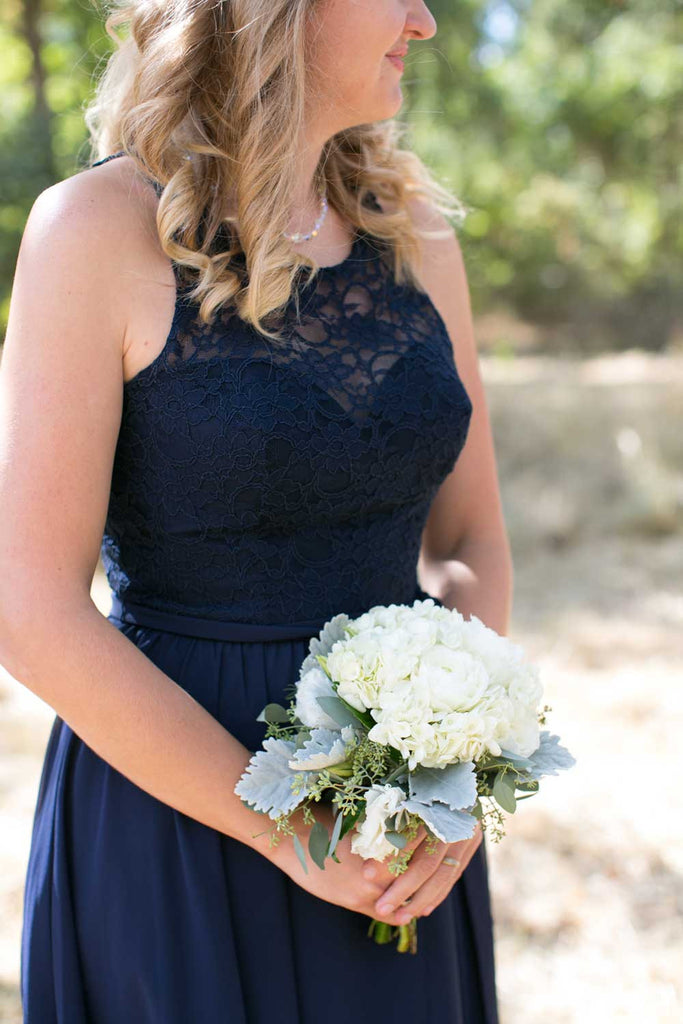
[454, 785]
[549, 757]
[450, 826]
[322, 644]
[266, 783]
[323, 749]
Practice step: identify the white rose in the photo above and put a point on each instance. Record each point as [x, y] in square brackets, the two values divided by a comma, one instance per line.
[398, 657]
[343, 664]
[525, 686]
[369, 836]
[456, 679]
[522, 736]
[406, 697]
[313, 684]
[356, 665]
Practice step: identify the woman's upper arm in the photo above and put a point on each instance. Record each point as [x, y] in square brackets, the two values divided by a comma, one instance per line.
[61, 383]
[467, 506]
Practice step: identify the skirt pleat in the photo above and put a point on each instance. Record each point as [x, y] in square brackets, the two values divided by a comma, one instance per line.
[134, 911]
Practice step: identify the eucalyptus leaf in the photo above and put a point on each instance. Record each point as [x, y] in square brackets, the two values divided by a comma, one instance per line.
[396, 839]
[274, 713]
[363, 716]
[318, 842]
[351, 819]
[333, 707]
[339, 821]
[504, 793]
[528, 787]
[517, 759]
[298, 846]
[300, 738]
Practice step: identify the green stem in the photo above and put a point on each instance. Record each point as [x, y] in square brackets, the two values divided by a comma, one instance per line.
[406, 934]
[395, 773]
[381, 931]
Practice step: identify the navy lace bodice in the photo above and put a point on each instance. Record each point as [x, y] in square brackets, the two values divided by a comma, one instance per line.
[266, 484]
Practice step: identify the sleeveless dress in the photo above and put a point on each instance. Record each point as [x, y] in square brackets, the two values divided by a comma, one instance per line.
[256, 491]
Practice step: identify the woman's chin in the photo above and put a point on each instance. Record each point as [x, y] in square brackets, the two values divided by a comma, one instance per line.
[393, 99]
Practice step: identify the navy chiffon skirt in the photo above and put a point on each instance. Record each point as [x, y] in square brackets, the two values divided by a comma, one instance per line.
[135, 912]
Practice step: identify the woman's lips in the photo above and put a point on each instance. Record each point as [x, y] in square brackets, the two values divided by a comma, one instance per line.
[396, 61]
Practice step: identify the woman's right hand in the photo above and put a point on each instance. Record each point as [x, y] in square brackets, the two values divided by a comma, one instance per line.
[345, 883]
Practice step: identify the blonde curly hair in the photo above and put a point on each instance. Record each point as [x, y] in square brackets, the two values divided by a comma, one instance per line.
[207, 97]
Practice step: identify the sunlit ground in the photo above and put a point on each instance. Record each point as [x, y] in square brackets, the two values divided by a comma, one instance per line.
[587, 885]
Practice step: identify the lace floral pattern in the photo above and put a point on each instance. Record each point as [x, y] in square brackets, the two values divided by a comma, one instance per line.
[261, 483]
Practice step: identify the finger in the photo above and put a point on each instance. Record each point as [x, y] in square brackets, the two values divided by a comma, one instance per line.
[422, 866]
[379, 870]
[439, 884]
[433, 892]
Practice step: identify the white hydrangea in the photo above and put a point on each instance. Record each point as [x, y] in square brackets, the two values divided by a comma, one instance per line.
[369, 837]
[500, 655]
[440, 688]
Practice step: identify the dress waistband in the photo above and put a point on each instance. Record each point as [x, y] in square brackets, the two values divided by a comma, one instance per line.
[124, 611]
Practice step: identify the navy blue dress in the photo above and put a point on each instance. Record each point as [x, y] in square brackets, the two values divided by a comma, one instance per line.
[257, 490]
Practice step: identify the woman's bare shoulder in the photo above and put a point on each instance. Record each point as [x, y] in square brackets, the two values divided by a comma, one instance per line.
[102, 223]
[111, 205]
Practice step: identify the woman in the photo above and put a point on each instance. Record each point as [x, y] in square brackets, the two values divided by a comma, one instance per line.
[251, 450]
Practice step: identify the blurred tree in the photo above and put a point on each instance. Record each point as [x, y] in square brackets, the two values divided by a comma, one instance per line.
[51, 49]
[558, 122]
[561, 123]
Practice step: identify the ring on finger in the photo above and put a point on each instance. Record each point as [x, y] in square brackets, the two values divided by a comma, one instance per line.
[451, 860]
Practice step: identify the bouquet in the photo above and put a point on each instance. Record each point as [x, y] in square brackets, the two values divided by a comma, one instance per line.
[402, 717]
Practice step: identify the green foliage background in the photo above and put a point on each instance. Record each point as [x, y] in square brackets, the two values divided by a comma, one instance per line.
[558, 122]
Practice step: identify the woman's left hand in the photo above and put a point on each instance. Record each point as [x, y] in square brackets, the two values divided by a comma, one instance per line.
[426, 882]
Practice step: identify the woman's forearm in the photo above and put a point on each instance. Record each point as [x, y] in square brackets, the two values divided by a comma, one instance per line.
[133, 716]
[478, 580]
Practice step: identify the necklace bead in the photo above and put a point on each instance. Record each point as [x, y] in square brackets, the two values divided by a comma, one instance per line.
[298, 237]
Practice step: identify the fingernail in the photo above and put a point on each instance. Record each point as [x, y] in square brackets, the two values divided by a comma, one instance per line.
[385, 908]
[369, 872]
[427, 910]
